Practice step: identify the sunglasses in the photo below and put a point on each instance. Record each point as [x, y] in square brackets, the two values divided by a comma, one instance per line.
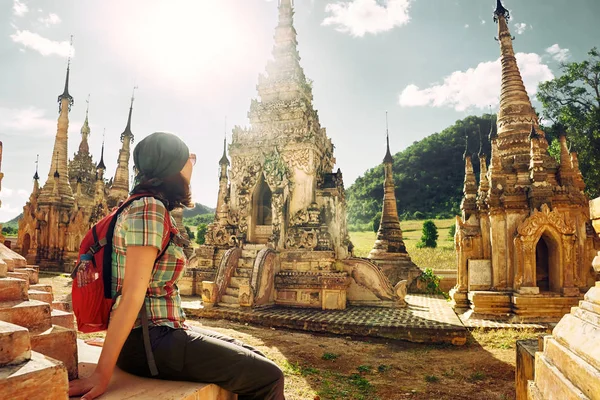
[193, 159]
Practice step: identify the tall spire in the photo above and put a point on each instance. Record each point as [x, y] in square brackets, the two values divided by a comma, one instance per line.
[516, 114]
[65, 94]
[120, 186]
[127, 131]
[388, 156]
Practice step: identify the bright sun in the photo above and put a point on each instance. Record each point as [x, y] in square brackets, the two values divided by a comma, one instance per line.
[185, 40]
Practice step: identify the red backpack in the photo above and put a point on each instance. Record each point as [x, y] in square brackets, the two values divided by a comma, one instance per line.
[92, 302]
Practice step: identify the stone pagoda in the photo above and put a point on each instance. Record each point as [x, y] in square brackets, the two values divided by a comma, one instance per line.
[59, 214]
[524, 240]
[279, 235]
[389, 251]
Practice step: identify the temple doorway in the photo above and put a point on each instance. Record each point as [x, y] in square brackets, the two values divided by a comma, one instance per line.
[547, 265]
[262, 216]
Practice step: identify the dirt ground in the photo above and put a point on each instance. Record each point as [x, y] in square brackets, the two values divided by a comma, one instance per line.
[333, 367]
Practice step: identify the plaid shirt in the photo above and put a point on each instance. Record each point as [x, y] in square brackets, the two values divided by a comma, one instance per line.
[143, 224]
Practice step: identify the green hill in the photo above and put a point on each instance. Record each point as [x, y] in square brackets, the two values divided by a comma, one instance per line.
[428, 174]
[198, 209]
[13, 223]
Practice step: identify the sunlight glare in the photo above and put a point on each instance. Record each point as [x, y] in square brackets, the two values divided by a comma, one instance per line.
[186, 40]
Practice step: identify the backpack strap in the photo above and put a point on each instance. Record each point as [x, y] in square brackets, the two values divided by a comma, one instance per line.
[168, 227]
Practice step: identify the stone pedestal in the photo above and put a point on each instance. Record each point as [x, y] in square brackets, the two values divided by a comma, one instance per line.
[525, 370]
[569, 367]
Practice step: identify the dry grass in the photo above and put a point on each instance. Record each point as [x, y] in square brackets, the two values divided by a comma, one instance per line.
[442, 257]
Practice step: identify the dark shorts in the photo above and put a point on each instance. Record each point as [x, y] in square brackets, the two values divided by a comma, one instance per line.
[200, 355]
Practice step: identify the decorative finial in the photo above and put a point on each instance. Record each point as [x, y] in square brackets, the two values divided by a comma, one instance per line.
[466, 153]
[133, 94]
[388, 156]
[56, 174]
[127, 131]
[224, 160]
[500, 11]
[101, 163]
[65, 94]
[534, 134]
[37, 162]
[493, 134]
[87, 108]
[480, 153]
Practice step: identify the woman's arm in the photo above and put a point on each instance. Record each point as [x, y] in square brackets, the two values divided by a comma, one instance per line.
[138, 269]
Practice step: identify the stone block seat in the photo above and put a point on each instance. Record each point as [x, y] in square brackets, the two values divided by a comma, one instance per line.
[131, 387]
[49, 331]
[26, 374]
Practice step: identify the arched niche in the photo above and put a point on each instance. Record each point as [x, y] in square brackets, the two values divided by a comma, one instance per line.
[548, 266]
[544, 249]
[261, 227]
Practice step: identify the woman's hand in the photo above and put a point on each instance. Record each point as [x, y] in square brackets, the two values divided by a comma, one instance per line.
[89, 388]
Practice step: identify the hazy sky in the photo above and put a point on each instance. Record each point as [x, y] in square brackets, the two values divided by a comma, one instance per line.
[427, 62]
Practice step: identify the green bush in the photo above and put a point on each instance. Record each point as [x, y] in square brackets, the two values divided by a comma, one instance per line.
[429, 235]
[452, 232]
[431, 282]
[376, 221]
[190, 233]
[201, 233]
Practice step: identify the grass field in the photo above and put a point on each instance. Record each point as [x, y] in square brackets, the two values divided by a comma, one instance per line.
[442, 257]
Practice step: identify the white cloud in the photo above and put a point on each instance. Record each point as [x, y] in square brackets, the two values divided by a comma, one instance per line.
[466, 25]
[560, 55]
[359, 17]
[476, 87]
[42, 45]
[520, 28]
[19, 8]
[26, 120]
[51, 19]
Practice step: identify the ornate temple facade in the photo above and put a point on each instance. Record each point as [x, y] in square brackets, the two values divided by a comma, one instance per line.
[524, 240]
[73, 198]
[279, 235]
[389, 251]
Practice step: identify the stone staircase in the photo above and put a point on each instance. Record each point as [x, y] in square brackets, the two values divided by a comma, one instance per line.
[241, 276]
[28, 304]
[27, 374]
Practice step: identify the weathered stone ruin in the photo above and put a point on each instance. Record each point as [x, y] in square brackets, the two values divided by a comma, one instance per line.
[279, 235]
[524, 241]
